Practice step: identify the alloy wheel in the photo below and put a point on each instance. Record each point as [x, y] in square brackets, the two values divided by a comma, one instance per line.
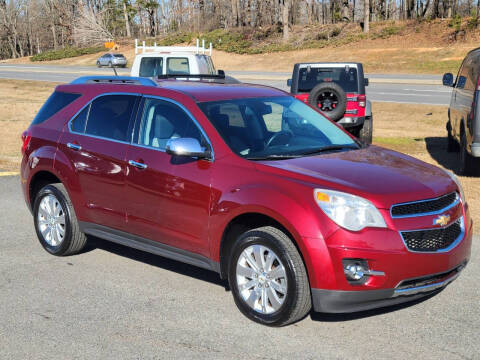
[261, 279]
[51, 220]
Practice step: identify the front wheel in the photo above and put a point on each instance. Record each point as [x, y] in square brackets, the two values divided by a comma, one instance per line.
[55, 222]
[268, 279]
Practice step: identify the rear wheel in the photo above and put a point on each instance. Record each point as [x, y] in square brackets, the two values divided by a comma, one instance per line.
[366, 131]
[55, 222]
[268, 278]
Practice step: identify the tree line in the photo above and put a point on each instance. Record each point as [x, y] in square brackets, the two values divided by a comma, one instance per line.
[29, 27]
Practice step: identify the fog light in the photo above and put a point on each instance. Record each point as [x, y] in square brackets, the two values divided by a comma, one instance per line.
[348, 120]
[355, 270]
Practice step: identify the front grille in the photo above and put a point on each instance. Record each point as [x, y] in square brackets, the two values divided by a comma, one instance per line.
[434, 239]
[424, 206]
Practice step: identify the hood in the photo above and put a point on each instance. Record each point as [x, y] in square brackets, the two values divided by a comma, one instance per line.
[383, 176]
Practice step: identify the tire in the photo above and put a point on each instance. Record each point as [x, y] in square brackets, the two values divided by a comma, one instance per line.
[467, 164]
[73, 240]
[109, 64]
[337, 93]
[366, 131]
[452, 145]
[280, 308]
[98, 64]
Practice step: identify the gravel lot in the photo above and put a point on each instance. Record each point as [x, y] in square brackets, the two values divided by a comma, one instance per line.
[116, 303]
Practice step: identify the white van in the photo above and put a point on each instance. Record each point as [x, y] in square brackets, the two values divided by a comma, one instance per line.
[152, 61]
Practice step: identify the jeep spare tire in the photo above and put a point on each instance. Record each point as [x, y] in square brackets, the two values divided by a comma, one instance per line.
[329, 98]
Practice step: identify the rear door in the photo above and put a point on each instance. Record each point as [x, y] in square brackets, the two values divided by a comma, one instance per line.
[96, 142]
[168, 198]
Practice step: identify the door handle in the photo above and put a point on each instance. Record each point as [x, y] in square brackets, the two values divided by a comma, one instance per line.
[138, 165]
[75, 147]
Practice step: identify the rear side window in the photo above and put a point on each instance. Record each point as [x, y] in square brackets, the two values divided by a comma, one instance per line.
[178, 65]
[109, 117]
[151, 66]
[56, 102]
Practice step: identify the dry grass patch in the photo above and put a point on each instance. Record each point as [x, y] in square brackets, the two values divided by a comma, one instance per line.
[20, 101]
[419, 131]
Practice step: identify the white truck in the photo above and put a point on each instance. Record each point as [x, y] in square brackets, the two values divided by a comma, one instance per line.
[152, 61]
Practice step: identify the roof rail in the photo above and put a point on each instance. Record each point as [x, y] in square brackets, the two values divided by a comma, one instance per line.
[220, 76]
[167, 49]
[127, 80]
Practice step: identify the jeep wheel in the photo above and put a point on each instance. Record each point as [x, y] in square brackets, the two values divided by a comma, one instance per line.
[268, 278]
[55, 222]
[330, 99]
[365, 133]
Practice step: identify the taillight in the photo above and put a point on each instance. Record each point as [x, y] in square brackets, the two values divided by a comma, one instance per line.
[26, 137]
[362, 100]
[478, 83]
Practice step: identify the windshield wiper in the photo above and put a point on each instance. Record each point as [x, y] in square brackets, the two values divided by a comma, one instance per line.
[328, 148]
[273, 157]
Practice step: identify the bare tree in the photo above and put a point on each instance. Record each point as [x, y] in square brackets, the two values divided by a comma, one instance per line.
[366, 16]
[90, 27]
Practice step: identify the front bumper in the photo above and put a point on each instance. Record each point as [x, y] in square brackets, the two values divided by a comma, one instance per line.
[338, 301]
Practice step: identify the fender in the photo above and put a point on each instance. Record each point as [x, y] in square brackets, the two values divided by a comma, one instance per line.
[41, 159]
[68, 175]
[304, 220]
[368, 109]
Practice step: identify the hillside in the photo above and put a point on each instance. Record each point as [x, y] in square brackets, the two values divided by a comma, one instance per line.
[391, 47]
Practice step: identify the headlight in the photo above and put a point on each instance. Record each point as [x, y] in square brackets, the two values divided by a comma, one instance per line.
[348, 211]
[459, 185]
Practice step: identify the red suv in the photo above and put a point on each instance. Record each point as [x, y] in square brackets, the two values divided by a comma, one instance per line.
[246, 181]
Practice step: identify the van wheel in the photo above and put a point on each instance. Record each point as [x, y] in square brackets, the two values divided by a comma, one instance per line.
[55, 222]
[268, 279]
[452, 145]
[467, 164]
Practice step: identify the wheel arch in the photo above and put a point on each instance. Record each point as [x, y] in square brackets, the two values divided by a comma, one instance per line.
[248, 221]
[38, 181]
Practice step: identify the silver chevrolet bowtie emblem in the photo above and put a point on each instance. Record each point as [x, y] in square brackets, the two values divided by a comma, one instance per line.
[442, 220]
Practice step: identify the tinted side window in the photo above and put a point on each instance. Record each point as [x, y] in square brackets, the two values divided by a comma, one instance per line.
[151, 66]
[110, 116]
[56, 102]
[78, 124]
[162, 121]
[178, 65]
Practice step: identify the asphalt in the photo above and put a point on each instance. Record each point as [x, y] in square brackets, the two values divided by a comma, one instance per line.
[399, 88]
[112, 302]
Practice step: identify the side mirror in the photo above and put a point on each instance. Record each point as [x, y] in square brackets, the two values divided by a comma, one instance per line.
[187, 147]
[221, 73]
[448, 79]
[289, 82]
[366, 81]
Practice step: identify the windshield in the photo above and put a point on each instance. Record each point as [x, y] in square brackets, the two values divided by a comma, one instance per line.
[309, 77]
[274, 128]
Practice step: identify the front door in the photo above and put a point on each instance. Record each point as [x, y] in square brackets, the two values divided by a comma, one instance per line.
[168, 197]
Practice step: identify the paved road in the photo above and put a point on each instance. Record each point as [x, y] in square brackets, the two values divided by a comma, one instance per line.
[115, 303]
[416, 89]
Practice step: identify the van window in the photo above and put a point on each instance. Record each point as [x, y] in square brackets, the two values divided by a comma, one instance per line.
[178, 65]
[56, 102]
[110, 116]
[151, 67]
[162, 121]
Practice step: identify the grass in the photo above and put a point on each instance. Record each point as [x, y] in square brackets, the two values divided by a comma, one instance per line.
[68, 52]
[19, 101]
[417, 130]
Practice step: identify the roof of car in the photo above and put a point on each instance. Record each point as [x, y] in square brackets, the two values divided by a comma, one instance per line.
[199, 91]
[209, 91]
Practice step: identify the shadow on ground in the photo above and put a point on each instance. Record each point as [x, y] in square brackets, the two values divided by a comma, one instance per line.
[156, 260]
[437, 148]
